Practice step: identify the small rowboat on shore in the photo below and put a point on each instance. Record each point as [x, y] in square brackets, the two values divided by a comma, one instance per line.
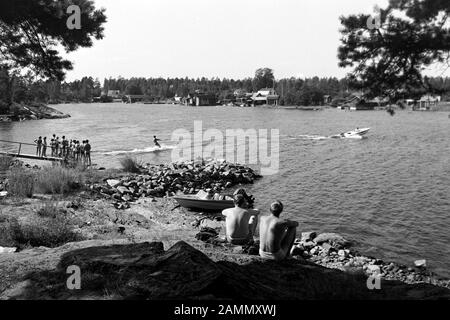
[193, 202]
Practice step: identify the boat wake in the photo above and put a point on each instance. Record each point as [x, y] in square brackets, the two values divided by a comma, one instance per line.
[152, 149]
[318, 138]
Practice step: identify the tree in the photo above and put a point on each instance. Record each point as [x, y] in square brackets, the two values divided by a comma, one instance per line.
[30, 32]
[264, 78]
[389, 51]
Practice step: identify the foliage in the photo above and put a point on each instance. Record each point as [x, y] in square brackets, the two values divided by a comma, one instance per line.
[388, 56]
[5, 162]
[47, 232]
[130, 164]
[58, 180]
[21, 183]
[49, 210]
[264, 78]
[31, 32]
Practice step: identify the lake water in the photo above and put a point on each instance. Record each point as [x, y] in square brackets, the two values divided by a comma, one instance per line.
[390, 193]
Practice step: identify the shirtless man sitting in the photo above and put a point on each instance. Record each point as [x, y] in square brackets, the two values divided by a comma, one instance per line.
[241, 222]
[277, 235]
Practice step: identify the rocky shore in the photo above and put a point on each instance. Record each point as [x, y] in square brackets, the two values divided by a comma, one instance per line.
[143, 246]
[32, 111]
[169, 180]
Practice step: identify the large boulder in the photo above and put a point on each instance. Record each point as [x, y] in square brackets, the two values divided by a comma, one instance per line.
[336, 240]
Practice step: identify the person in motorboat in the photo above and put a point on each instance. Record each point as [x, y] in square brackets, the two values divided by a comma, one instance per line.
[240, 222]
[277, 236]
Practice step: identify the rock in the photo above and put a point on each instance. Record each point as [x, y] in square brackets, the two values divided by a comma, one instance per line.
[342, 253]
[3, 194]
[237, 250]
[326, 247]
[123, 190]
[373, 269]
[113, 182]
[334, 239]
[213, 224]
[7, 250]
[308, 245]
[308, 236]
[420, 263]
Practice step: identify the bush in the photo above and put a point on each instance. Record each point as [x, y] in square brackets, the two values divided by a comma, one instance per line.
[49, 210]
[130, 164]
[45, 232]
[5, 162]
[21, 183]
[58, 180]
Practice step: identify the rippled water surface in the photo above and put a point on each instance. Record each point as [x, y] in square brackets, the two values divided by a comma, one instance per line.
[390, 193]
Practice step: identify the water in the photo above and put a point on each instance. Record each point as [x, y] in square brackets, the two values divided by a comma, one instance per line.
[390, 192]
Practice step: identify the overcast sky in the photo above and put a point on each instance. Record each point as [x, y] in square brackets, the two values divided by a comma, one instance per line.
[217, 38]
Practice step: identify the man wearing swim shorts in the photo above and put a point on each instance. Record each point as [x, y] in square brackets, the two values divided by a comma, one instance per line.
[241, 222]
[155, 141]
[277, 235]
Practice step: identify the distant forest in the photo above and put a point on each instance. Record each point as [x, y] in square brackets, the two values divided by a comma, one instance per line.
[292, 91]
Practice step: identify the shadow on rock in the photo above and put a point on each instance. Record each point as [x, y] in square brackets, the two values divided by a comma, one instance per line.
[146, 271]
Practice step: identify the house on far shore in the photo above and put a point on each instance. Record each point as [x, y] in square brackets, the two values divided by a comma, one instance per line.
[266, 96]
[133, 98]
[426, 102]
[115, 94]
[327, 99]
[199, 98]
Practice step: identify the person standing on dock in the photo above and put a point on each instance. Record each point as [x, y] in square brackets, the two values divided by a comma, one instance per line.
[38, 146]
[44, 148]
[155, 141]
[87, 153]
[64, 146]
[57, 145]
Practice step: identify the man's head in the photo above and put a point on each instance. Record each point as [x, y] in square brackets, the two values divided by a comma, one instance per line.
[276, 208]
[239, 200]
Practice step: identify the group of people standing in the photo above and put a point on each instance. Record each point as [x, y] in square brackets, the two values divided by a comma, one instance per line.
[64, 148]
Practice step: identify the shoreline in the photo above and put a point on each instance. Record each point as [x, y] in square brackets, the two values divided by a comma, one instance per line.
[156, 217]
[32, 111]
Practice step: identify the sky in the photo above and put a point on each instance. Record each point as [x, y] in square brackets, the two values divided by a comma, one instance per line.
[217, 38]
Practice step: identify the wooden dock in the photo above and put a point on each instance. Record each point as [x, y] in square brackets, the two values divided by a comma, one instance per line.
[20, 154]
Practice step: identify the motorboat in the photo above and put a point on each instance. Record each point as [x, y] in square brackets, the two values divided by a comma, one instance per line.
[194, 202]
[357, 133]
[212, 202]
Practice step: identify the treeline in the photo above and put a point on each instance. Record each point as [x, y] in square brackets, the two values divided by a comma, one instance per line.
[292, 91]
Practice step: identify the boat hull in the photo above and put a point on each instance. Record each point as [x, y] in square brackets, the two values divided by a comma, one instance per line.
[209, 205]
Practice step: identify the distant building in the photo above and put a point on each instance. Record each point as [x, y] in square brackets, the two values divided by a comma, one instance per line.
[327, 99]
[426, 102]
[132, 98]
[199, 98]
[115, 94]
[266, 96]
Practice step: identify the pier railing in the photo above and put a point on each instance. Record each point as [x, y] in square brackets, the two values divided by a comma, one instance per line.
[20, 154]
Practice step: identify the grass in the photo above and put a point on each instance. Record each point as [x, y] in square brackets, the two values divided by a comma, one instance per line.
[49, 210]
[21, 183]
[46, 232]
[5, 162]
[58, 180]
[130, 164]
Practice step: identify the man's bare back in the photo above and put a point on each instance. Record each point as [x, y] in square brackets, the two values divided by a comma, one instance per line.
[276, 235]
[240, 223]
